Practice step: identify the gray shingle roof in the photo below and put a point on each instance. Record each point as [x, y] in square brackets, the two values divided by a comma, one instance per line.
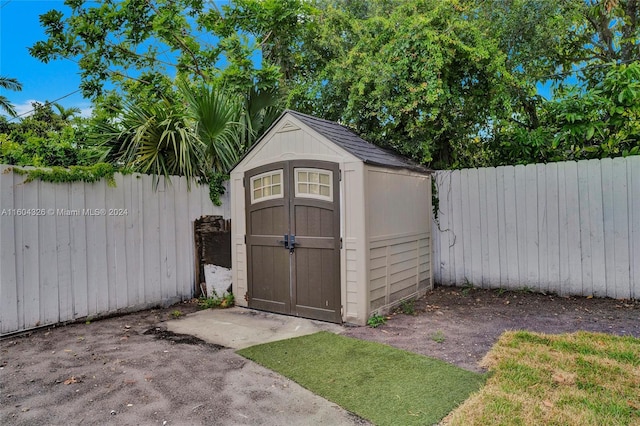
[349, 141]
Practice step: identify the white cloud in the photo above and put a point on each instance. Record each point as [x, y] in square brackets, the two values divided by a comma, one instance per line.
[86, 111]
[25, 108]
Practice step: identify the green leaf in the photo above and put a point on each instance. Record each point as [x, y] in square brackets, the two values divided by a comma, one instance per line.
[590, 131]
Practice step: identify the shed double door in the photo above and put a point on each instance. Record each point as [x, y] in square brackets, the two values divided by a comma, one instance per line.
[293, 239]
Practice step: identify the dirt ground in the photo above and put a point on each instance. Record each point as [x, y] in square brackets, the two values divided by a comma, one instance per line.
[127, 370]
[459, 325]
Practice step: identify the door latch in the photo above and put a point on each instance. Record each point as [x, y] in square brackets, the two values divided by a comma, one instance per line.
[285, 241]
[289, 242]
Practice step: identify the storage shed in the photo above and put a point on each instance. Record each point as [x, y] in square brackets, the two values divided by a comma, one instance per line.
[326, 225]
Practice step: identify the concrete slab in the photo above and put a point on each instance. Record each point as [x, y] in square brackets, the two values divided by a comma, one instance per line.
[240, 328]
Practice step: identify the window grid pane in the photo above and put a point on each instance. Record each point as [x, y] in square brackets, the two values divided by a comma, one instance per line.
[266, 186]
[314, 184]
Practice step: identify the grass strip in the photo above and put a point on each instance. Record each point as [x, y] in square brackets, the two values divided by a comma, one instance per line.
[570, 379]
[382, 384]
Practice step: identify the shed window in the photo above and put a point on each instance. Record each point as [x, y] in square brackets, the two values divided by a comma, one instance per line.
[314, 183]
[266, 186]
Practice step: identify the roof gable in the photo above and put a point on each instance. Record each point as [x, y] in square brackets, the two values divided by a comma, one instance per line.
[347, 140]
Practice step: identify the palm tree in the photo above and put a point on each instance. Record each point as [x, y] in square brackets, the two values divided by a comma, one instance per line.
[9, 84]
[216, 118]
[204, 134]
[261, 108]
[66, 114]
[156, 138]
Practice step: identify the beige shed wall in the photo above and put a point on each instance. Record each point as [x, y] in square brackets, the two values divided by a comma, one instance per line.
[292, 140]
[398, 218]
[354, 272]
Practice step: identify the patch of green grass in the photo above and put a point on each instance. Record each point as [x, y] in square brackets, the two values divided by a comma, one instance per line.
[382, 384]
[500, 291]
[575, 379]
[408, 307]
[226, 301]
[467, 288]
[438, 337]
[176, 314]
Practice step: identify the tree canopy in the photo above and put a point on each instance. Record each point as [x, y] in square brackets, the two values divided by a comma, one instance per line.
[451, 83]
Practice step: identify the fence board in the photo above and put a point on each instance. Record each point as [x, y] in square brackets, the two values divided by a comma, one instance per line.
[520, 221]
[491, 271]
[117, 217]
[447, 251]
[474, 234]
[86, 256]
[621, 228]
[502, 227]
[585, 229]
[511, 228]
[531, 225]
[574, 285]
[8, 292]
[484, 224]
[63, 251]
[633, 171]
[18, 198]
[151, 240]
[183, 235]
[458, 232]
[464, 230]
[79, 276]
[47, 241]
[553, 229]
[543, 225]
[563, 234]
[596, 230]
[31, 271]
[569, 228]
[609, 243]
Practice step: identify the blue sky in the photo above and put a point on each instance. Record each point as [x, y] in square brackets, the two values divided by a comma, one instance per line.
[19, 29]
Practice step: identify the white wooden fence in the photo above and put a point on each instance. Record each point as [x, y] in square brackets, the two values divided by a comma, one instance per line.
[78, 250]
[569, 228]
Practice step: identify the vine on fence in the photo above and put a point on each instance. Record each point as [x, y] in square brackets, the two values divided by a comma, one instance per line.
[216, 186]
[435, 201]
[107, 171]
[87, 174]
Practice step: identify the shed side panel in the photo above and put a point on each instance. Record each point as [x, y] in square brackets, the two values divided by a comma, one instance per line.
[398, 217]
[355, 269]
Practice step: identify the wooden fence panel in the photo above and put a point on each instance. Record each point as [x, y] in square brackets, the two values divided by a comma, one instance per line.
[567, 228]
[77, 250]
